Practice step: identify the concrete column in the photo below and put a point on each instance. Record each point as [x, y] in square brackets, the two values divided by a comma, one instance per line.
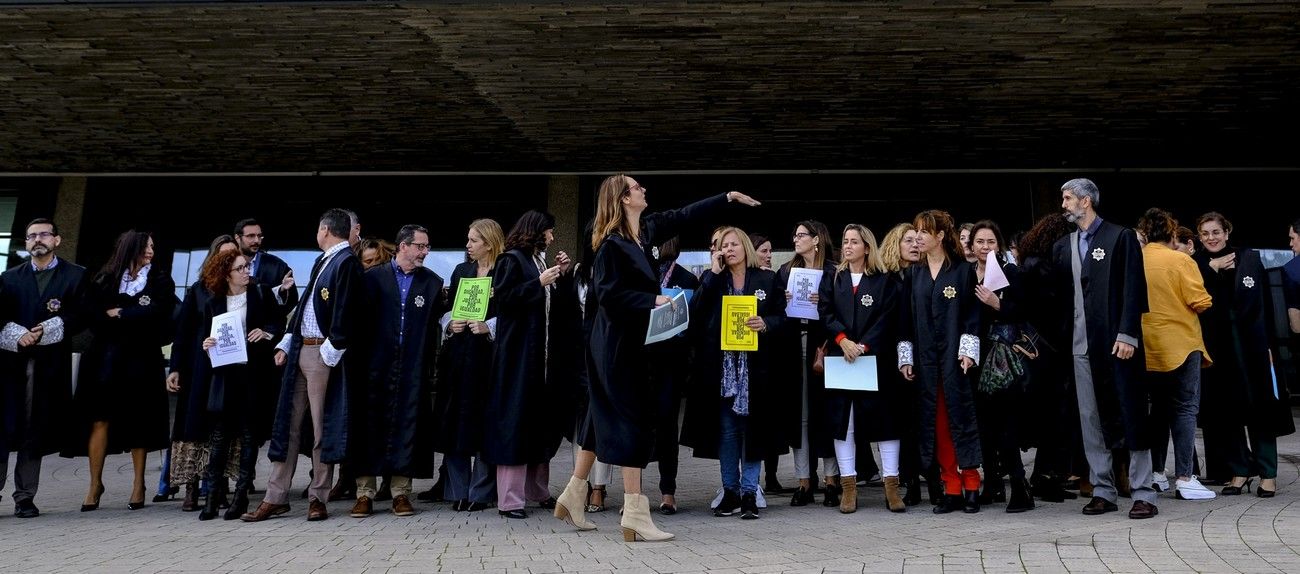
[69, 207]
[562, 202]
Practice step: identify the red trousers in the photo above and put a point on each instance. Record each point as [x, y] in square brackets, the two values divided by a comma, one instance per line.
[954, 479]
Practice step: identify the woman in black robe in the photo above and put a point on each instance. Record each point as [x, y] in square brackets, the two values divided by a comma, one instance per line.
[797, 343]
[121, 386]
[1238, 393]
[859, 304]
[463, 379]
[622, 406]
[521, 434]
[669, 366]
[939, 346]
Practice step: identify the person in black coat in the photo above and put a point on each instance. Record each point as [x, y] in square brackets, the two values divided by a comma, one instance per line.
[939, 346]
[393, 430]
[268, 270]
[521, 435]
[798, 341]
[1238, 392]
[1101, 265]
[121, 394]
[859, 304]
[42, 305]
[622, 406]
[669, 366]
[236, 393]
[463, 379]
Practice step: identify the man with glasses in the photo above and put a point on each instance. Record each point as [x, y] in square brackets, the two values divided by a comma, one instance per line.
[266, 269]
[40, 307]
[393, 431]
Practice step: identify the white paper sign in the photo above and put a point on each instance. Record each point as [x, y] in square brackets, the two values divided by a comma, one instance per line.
[994, 278]
[668, 319]
[803, 284]
[232, 346]
[860, 375]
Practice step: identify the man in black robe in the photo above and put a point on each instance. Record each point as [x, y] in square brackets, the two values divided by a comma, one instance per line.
[315, 375]
[40, 308]
[1103, 262]
[393, 430]
[266, 269]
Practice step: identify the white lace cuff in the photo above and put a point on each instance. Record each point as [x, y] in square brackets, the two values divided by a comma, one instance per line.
[443, 322]
[492, 329]
[904, 353]
[53, 331]
[329, 355]
[969, 346]
[10, 335]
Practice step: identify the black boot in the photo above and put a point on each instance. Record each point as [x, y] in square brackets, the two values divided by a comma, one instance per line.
[994, 491]
[913, 496]
[1020, 500]
[211, 507]
[935, 486]
[950, 503]
[831, 494]
[972, 502]
[239, 505]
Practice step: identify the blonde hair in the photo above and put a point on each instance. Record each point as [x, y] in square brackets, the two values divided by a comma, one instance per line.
[492, 235]
[751, 256]
[610, 219]
[891, 247]
[872, 263]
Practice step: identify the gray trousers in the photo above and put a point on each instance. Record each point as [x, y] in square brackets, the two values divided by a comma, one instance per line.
[1101, 468]
[470, 479]
[27, 470]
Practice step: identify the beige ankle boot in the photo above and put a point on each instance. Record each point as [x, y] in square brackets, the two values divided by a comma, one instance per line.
[892, 499]
[572, 504]
[636, 520]
[849, 499]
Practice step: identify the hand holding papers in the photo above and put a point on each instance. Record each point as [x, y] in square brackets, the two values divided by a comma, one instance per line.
[232, 347]
[736, 335]
[668, 320]
[802, 286]
[994, 278]
[472, 295]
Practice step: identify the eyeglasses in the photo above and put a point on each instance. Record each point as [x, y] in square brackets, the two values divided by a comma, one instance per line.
[254, 235]
[241, 269]
[419, 246]
[801, 235]
[40, 235]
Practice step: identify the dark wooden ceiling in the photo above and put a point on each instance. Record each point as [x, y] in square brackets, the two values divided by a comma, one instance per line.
[580, 86]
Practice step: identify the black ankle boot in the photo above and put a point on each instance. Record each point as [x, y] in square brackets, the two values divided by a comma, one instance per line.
[211, 507]
[972, 502]
[831, 494]
[238, 506]
[935, 486]
[1020, 500]
[949, 503]
[913, 496]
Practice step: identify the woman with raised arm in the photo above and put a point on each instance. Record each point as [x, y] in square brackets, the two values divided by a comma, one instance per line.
[622, 405]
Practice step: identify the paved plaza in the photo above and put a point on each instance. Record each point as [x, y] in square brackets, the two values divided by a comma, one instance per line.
[1229, 534]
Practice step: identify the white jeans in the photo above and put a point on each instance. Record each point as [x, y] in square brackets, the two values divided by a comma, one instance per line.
[846, 453]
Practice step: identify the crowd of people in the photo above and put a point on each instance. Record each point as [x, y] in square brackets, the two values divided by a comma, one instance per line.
[1091, 343]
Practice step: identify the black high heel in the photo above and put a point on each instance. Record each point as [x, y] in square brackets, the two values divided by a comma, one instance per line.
[132, 505]
[95, 506]
[1264, 492]
[1231, 490]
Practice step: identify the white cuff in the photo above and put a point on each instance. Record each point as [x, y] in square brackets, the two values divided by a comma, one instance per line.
[492, 329]
[329, 355]
[904, 353]
[969, 346]
[279, 295]
[285, 343]
[53, 331]
[10, 335]
[1122, 338]
[443, 322]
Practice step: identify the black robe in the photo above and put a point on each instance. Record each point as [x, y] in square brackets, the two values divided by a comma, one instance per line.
[567, 370]
[936, 313]
[518, 425]
[122, 377]
[462, 382]
[789, 367]
[270, 273]
[1238, 389]
[1114, 299]
[243, 394]
[394, 430]
[334, 297]
[22, 304]
[702, 428]
[194, 369]
[623, 400]
[870, 316]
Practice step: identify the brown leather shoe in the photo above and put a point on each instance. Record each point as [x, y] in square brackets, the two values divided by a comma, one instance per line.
[1099, 505]
[316, 510]
[264, 511]
[402, 506]
[362, 508]
[1143, 509]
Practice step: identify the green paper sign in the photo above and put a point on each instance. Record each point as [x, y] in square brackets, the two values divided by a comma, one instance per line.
[472, 299]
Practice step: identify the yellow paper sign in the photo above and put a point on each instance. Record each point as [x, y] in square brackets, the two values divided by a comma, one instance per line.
[736, 309]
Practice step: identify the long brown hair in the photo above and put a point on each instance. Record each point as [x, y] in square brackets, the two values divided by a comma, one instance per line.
[872, 263]
[610, 219]
[822, 249]
[936, 221]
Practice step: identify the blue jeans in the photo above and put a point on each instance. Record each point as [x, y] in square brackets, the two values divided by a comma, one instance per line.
[1175, 402]
[738, 475]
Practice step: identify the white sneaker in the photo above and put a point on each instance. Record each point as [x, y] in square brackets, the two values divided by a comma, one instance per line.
[1160, 482]
[1192, 489]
